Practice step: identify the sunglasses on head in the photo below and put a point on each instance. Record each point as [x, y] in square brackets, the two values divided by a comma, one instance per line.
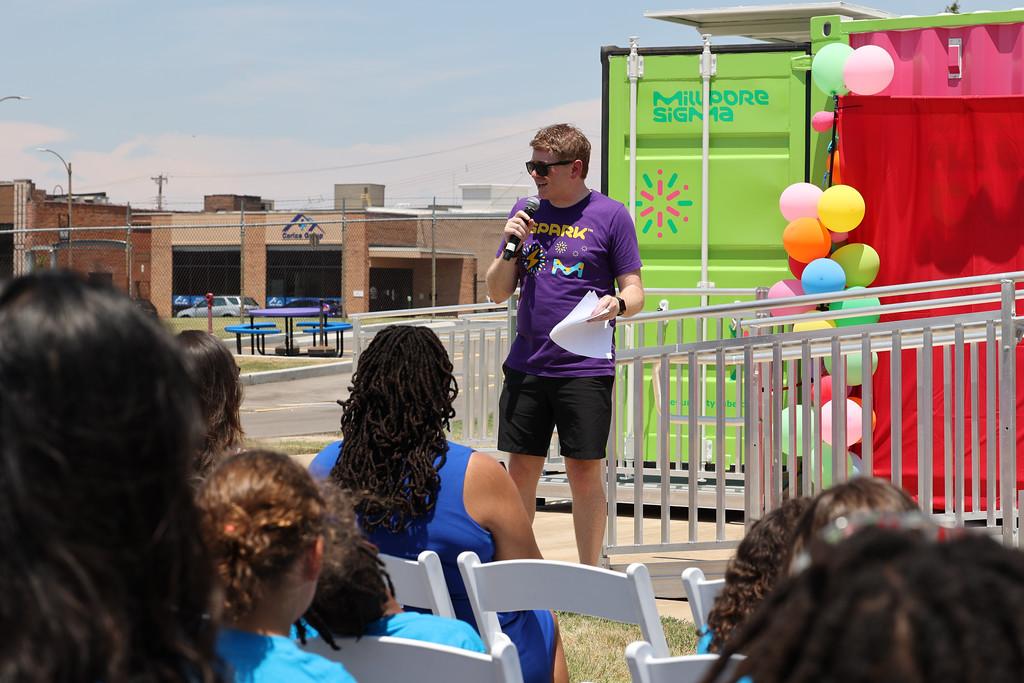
[542, 168]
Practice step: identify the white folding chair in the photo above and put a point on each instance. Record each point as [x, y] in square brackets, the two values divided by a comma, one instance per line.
[701, 594]
[514, 585]
[383, 659]
[420, 582]
[644, 667]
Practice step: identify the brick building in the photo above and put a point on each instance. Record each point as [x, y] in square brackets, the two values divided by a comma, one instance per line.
[34, 235]
[372, 259]
[366, 259]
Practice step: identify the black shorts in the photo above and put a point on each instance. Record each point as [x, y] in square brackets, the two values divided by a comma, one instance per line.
[531, 406]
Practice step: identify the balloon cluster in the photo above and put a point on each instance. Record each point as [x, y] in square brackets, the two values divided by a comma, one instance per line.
[838, 69]
[819, 223]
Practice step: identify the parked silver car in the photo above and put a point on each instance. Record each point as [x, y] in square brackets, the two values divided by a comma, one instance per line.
[223, 306]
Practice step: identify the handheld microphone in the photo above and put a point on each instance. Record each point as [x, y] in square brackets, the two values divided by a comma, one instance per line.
[532, 204]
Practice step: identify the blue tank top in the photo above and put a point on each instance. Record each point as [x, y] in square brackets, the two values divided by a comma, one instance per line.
[448, 530]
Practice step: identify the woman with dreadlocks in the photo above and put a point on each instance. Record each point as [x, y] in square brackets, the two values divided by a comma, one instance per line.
[890, 604]
[416, 491]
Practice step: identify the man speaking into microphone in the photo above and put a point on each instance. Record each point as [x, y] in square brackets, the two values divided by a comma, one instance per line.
[574, 241]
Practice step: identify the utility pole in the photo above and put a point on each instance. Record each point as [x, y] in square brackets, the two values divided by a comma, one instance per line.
[159, 180]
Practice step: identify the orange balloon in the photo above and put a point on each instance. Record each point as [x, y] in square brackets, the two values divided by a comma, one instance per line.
[837, 178]
[806, 239]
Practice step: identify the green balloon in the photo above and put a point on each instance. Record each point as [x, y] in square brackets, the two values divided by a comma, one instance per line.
[852, 304]
[854, 367]
[860, 262]
[826, 450]
[827, 68]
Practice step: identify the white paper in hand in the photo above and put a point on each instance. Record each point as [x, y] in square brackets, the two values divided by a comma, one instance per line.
[576, 335]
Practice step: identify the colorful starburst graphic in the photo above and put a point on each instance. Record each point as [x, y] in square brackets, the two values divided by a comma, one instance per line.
[662, 204]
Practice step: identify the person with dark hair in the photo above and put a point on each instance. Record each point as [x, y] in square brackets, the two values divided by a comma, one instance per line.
[356, 598]
[890, 604]
[579, 242]
[269, 527]
[102, 573]
[214, 373]
[414, 490]
[860, 494]
[760, 560]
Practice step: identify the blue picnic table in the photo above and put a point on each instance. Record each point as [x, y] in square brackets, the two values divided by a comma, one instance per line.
[257, 332]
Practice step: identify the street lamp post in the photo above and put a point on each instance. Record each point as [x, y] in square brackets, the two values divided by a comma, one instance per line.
[14, 97]
[67, 166]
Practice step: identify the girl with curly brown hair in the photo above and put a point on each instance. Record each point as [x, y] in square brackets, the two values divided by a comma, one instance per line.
[761, 558]
[268, 526]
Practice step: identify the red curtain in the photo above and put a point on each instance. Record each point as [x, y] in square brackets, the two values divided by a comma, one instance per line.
[943, 182]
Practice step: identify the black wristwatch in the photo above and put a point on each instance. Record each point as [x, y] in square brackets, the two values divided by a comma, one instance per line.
[622, 305]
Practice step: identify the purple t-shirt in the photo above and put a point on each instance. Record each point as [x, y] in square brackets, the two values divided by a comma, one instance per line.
[572, 250]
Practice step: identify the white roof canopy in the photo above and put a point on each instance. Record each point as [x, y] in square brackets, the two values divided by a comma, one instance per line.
[772, 23]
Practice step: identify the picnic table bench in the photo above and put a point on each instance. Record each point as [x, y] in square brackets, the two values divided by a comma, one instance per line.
[257, 336]
[321, 330]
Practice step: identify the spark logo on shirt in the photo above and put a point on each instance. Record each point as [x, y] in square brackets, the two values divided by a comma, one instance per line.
[534, 258]
[558, 267]
[572, 231]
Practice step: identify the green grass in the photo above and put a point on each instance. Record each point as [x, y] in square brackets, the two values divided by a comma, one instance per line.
[595, 649]
[294, 445]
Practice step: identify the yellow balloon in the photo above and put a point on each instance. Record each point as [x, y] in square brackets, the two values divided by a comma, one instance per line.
[841, 208]
[814, 325]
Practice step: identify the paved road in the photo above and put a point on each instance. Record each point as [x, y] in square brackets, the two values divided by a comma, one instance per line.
[302, 406]
[307, 406]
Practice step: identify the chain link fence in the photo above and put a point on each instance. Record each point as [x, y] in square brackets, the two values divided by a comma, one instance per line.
[362, 263]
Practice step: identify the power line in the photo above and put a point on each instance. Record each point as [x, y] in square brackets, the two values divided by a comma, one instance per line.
[363, 164]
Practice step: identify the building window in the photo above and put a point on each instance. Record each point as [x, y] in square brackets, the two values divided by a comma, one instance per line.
[198, 272]
[304, 273]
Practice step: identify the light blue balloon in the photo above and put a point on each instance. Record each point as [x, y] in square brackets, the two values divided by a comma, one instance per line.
[823, 275]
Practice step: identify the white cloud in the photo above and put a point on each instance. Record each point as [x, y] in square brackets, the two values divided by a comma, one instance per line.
[284, 169]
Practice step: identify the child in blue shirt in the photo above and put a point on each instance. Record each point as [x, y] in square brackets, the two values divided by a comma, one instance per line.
[357, 599]
[268, 527]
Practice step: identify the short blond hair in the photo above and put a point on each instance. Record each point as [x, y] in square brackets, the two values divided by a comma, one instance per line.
[565, 141]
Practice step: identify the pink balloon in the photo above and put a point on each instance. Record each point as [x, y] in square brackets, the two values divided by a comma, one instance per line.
[839, 237]
[822, 121]
[854, 426]
[787, 288]
[869, 70]
[800, 200]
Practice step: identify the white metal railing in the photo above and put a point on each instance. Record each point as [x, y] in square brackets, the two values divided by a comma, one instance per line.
[739, 458]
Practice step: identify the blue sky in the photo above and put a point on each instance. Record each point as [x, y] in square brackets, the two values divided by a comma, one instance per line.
[284, 99]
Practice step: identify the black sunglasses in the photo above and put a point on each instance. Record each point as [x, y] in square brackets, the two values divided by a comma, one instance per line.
[542, 168]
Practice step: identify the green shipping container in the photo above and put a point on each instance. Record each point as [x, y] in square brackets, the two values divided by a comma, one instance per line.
[760, 105]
